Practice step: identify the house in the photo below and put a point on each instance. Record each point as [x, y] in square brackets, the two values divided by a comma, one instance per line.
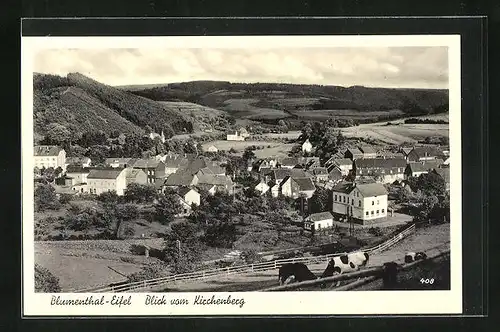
[320, 174]
[78, 161]
[380, 169]
[415, 169]
[212, 148]
[343, 164]
[353, 153]
[235, 136]
[318, 221]
[210, 188]
[288, 162]
[174, 162]
[277, 175]
[189, 195]
[296, 187]
[445, 174]
[201, 165]
[405, 151]
[161, 137]
[363, 202]
[307, 146]
[120, 162]
[335, 175]
[180, 179]
[78, 174]
[423, 153]
[154, 169]
[47, 156]
[243, 132]
[262, 187]
[136, 176]
[275, 190]
[102, 180]
[308, 162]
[222, 183]
[368, 151]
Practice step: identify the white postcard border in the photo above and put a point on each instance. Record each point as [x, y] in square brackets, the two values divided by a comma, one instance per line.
[256, 303]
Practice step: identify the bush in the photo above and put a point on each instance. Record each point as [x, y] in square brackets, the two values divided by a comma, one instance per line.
[376, 231]
[45, 282]
[250, 256]
[65, 198]
[46, 198]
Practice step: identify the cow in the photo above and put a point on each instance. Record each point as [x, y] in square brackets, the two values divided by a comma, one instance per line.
[414, 256]
[294, 272]
[346, 263]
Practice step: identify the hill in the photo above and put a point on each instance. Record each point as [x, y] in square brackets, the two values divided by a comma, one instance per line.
[83, 104]
[274, 101]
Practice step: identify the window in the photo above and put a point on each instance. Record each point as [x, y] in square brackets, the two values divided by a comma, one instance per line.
[335, 198]
[352, 202]
[319, 226]
[383, 210]
[372, 213]
[367, 213]
[378, 202]
[344, 198]
[373, 202]
[378, 211]
[359, 203]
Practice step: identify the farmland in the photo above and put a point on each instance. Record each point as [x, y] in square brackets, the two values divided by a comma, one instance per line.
[269, 148]
[245, 108]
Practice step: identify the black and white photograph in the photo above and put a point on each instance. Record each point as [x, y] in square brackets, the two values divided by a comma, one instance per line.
[241, 175]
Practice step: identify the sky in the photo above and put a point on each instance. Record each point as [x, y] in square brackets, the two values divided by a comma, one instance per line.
[395, 67]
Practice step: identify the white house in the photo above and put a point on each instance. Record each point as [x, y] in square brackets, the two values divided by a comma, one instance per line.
[189, 195]
[415, 169]
[380, 169]
[243, 132]
[46, 156]
[275, 190]
[295, 187]
[235, 136]
[262, 187]
[102, 180]
[212, 148]
[160, 136]
[318, 221]
[77, 174]
[364, 202]
[343, 164]
[307, 146]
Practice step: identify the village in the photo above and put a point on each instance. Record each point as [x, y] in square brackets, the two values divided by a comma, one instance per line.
[359, 178]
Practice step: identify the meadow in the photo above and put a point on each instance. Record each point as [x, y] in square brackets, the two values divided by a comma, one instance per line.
[265, 149]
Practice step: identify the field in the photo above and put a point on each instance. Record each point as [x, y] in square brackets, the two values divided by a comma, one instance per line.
[318, 115]
[270, 148]
[245, 108]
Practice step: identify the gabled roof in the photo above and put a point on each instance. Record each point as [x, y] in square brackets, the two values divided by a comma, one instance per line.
[422, 166]
[320, 171]
[289, 161]
[342, 162]
[371, 189]
[335, 174]
[380, 163]
[304, 183]
[47, 150]
[366, 149]
[175, 161]
[306, 141]
[132, 173]
[354, 151]
[426, 151]
[179, 179]
[146, 163]
[109, 161]
[105, 173]
[320, 216]
[343, 187]
[184, 190]
[444, 173]
[219, 180]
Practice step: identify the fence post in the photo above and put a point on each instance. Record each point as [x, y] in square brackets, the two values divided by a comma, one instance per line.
[227, 270]
[275, 264]
[252, 267]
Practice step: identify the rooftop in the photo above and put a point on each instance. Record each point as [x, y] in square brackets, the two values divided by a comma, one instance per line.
[320, 216]
[47, 150]
[105, 173]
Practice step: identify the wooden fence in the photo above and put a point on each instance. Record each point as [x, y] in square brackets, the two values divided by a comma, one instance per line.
[248, 268]
[363, 276]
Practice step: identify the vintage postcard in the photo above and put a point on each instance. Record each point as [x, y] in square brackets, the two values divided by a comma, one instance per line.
[241, 175]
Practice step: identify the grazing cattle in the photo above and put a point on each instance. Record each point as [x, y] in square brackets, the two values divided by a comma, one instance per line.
[295, 272]
[414, 256]
[346, 263]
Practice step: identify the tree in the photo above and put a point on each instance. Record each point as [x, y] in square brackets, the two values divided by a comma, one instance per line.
[45, 281]
[167, 207]
[46, 198]
[431, 184]
[220, 235]
[108, 197]
[182, 247]
[58, 134]
[123, 213]
[140, 193]
[319, 202]
[248, 154]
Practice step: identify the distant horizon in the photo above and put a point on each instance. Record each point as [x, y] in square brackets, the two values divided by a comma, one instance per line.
[146, 85]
